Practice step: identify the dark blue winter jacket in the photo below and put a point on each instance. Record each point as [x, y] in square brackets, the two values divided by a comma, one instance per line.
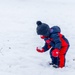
[56, 40]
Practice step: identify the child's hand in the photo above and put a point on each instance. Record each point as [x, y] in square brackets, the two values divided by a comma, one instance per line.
[40, 50]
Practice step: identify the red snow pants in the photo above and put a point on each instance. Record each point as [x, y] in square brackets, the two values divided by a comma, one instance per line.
[62, 54]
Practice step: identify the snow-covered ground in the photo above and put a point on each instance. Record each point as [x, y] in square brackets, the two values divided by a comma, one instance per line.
[18, 38]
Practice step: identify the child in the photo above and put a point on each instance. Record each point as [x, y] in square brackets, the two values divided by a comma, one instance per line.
[54, 41]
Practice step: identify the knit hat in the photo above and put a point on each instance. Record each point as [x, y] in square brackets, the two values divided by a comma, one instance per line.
[42, 29]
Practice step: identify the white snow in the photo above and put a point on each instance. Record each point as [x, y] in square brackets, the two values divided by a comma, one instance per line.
[18, 38]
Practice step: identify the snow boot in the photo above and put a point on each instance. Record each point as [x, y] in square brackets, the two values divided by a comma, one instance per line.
[55, 66]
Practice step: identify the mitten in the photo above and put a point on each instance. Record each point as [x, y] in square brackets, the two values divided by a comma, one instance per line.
[40, 50]
[55, 52]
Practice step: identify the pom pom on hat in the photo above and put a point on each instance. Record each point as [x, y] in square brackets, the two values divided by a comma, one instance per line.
[39, 23]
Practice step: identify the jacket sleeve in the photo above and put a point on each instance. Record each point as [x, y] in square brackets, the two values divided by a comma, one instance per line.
[56, 40]
[46, 47]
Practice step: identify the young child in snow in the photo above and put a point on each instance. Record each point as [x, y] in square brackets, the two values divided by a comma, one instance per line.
[54, 41]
